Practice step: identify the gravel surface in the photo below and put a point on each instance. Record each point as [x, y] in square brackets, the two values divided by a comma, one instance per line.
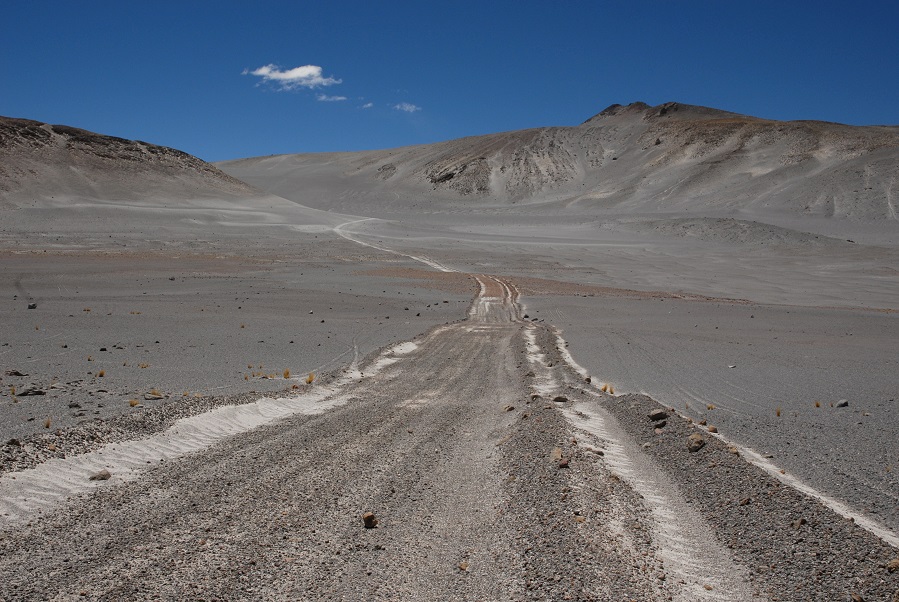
[481, 488]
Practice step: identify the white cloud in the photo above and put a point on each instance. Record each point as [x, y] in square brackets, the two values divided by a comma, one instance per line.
[326, 98]
[407, 107]
[368, 105]
[307, 76]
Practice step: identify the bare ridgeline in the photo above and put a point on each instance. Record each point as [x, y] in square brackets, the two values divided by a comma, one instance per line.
[648, 357]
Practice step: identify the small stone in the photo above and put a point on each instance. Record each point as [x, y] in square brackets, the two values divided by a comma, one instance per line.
[368, 519]
[17, 443]
[843, 403]
[509, 408]
[658, 415]
[703, 422]
[745, 501]
[74, 405]
[103, 475]
[695, 442]
[563, 463]
[798, 523]
[856, 598]
[560, 398]
[15, 373]
[587, 379]
[893, 565]
[31, 389]
[32, 306]
[463, 566]
[713, 429]
[660, 424]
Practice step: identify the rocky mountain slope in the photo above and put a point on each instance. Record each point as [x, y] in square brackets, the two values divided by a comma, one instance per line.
[39, 160]
[629, 159]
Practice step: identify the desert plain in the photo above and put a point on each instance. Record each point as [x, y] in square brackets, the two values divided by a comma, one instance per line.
[652, 356]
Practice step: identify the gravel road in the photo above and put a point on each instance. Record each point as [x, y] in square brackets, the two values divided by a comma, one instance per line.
[495, 471]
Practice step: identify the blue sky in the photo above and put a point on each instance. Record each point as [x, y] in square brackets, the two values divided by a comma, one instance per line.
[181, 74]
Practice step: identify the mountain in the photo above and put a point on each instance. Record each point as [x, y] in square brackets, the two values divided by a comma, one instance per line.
[70, 188]
[40, 160]
[626, 160]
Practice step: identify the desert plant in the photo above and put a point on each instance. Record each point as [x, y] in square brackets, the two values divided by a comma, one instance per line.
[133, 402]
[154, 392]
[817, 404]
[604, 388]
[287, 373]
[611, 390]
[47, 423]
[310, 378]
[777, 411]
[101, 373]
[710, 406]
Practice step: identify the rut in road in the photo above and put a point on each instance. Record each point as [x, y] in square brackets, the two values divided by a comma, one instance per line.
[448, 446]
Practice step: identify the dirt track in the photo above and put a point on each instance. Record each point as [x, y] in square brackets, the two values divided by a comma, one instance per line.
[483, 488]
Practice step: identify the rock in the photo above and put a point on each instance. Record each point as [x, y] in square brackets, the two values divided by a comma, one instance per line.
[560, 398]
[32, 306]
[536, 396]
[74, 405]
[661, 424]
[103, 475]
[17, 443]
[702, 422]
[843, 403]
[713, 429]
[658, 415]
[31, 389]
[15, 373]
[369, 520]
[695, 442]
[153, 396]
[798, 523]
[857, 598]
[745, 501]
[463, 566]
[509, 408]
[563, 463]
[893, 565]
[588, 379]
[556, 454]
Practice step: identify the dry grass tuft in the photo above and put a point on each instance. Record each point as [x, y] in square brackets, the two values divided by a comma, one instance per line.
[611, 390]
[604, 388]
[90, 358]
[154, 392]
[246, 377]
[133, 402]
[243, 325]
[135, 313]
[295, 386]
[12, 389]
[145, 365]
[287, 373]
[710, 407]
[817, 404]
[101, 373]
[777, 411]
[47, 423]
[86, 309]
[310, 378]
[249, 366]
